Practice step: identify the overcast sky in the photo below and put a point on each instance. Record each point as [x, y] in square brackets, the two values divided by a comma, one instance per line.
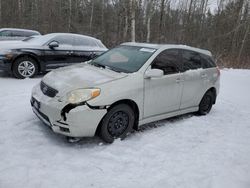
[212, 4]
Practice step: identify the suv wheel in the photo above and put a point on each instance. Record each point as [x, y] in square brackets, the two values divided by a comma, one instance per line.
[206, 103]
[25, 67]
[117, 123]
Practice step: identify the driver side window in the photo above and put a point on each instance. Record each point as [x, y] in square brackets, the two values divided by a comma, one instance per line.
[168, 61]
[64, 41]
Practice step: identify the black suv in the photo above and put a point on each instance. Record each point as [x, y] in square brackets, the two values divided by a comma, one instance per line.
[16, 34]
[42, 53]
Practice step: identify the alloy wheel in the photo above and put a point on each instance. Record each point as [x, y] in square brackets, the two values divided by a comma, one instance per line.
[26, 69]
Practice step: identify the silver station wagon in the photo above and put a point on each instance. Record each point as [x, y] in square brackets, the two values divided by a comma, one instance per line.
[126, 87]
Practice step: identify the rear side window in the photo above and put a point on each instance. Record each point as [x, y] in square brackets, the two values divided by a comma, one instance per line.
[168, 61]
[19, 34]
[84, 41]
[64, 40]
[29, 33]
[207, 62]
[191, 60]
[100, 44]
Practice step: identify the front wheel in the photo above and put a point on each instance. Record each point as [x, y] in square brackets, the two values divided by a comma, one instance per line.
[206, 103]
[117, 123]
[25, 67]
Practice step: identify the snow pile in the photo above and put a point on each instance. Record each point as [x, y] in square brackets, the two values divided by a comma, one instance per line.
[184, 152]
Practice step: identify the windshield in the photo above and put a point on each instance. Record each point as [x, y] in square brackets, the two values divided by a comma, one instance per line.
[124, 58]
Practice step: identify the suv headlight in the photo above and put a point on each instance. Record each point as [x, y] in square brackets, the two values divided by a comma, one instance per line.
[82, 95]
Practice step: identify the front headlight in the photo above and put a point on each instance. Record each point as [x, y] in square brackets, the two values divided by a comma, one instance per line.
[82, 95]
[7, 53]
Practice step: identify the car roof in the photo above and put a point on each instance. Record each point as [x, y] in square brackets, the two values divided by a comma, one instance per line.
[168, 46]
[17, 29]
[70, 34]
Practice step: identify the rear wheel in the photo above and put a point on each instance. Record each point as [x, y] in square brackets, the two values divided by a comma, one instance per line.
[25, 67]
[117, 123]
[206, 103]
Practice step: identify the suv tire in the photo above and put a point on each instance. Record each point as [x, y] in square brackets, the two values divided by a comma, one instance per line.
[25, 67]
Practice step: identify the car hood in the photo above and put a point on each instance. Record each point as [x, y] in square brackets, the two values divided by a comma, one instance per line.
[79, 76]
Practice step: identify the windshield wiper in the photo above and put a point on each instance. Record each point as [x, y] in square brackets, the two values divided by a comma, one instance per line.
[98, 65]
[106, 67]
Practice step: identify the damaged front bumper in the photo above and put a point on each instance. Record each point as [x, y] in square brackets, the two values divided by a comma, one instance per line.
[80, 121]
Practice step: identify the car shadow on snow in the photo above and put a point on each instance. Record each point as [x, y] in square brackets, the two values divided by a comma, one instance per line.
[61, 140]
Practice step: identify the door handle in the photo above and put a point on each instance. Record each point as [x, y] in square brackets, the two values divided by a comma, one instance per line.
[70, 52]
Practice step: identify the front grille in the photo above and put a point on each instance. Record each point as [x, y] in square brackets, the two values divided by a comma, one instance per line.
[47, 90]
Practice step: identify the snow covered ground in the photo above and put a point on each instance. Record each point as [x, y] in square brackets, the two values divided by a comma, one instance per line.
[210, 151]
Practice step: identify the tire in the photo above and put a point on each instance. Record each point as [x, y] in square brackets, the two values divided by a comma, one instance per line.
[25, 67]
[117, 123]
[206, 103]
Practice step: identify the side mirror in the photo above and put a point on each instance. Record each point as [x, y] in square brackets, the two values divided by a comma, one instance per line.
[53, 44]
[154, 73]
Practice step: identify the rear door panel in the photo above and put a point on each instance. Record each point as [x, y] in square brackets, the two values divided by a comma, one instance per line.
[84, 49]
[195, 79]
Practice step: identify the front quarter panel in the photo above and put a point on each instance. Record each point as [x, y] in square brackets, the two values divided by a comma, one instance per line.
[34, 53]
[130, 87]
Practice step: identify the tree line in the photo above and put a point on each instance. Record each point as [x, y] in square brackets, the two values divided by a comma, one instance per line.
[225, 30]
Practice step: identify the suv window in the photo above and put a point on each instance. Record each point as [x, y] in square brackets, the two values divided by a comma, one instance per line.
[191, 60]
[168, 61]
[84, 41]
[100, 44]
[5, 33]
[64, 40]
[18, 33]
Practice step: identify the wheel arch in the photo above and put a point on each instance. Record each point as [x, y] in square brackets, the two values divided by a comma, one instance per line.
[131, 104]
[213, 90]
[32, 56]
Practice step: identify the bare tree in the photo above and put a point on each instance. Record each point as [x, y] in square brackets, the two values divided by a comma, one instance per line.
[162, 8]
[247, 32]
[0, 11]
[91, 17]
[126, 20]
[238, 14]
[225, 31]
[149, 14]
[70, 15]
[132, 10]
